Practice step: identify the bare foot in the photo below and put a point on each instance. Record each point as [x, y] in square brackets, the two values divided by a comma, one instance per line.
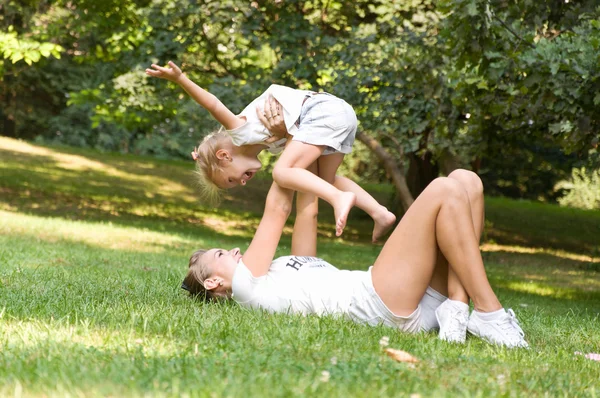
[383, 222]
[344, 203]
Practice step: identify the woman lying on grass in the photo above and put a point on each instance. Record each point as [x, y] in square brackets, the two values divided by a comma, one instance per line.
[422, 280]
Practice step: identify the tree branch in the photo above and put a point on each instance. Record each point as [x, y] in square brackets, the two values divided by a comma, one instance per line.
[512, 31]
[394, 170]
[213, 51]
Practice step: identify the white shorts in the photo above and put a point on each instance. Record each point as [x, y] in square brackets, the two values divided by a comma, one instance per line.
[367, 307]
[329, 121]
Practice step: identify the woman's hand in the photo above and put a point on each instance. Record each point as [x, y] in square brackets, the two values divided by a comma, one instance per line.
[172, 74]
[272, 118]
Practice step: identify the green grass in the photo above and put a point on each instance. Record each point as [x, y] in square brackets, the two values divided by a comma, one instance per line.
[93, 248]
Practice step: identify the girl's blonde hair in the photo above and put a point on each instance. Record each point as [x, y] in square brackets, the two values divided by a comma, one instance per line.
[207, 166]
[198, 272]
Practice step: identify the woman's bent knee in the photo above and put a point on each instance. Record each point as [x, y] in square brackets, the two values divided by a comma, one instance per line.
[449, 188]
[470, 180]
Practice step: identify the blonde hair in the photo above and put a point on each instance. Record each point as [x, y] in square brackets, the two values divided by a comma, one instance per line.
[198, 272]
[207, 166]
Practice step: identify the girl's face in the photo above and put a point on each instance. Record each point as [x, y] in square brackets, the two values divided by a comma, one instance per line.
[237, 171]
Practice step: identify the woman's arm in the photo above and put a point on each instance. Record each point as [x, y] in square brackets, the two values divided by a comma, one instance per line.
[207, 100]
[278, 205]
[261, 251]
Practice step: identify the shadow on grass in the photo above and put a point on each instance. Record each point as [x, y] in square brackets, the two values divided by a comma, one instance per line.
[551, 277]
[544, 225]
[76, 185]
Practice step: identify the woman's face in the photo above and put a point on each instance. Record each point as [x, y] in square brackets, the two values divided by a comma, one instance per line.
[222, 262]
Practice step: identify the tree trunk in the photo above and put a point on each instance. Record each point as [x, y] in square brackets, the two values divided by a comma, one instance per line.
[8, 118]
[476, 164]
[421, 172]
[448, 162]
[394, 170]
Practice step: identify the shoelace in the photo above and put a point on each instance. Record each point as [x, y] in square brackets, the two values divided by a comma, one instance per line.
[510, 325]
[458, 323]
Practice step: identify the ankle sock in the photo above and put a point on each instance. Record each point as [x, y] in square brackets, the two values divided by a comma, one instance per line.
[459, 305]
[490, 316]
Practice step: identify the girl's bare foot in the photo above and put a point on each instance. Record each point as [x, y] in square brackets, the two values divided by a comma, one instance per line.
[384, 220]
[344, 203]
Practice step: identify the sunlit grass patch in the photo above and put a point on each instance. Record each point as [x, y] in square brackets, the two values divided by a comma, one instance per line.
[493, 247]
[101, 175]
[534, 288]
[31, 334]
[92, 234]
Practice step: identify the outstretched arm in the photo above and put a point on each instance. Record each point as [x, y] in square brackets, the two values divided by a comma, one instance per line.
[207, 100]
[262, 249]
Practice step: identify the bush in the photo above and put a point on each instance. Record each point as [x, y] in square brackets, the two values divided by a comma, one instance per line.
[583, 189]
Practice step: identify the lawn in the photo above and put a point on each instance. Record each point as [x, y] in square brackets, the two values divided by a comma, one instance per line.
[93, 247]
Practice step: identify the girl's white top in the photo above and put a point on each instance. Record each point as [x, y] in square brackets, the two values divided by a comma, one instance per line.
[306, 285]
[253, 132]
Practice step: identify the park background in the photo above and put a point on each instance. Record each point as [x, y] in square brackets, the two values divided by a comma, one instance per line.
[99, 211]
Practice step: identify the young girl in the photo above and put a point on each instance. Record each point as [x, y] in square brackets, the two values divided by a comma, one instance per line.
[321, 127]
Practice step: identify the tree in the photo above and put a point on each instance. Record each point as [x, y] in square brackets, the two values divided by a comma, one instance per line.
[22, 44]
[436, 84]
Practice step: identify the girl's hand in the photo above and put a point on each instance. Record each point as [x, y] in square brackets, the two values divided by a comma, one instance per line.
[172, 74]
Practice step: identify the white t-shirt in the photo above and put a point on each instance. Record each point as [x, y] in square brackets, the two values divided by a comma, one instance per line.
[253, 131]
[307, 285]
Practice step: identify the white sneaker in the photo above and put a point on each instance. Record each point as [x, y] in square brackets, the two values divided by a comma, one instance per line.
[504, 330]
[453, 322]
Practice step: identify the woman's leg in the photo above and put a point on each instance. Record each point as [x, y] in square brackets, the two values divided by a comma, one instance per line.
[441, 219]
[444, 279]
[452, 316]
[290, 172]
[474, 187]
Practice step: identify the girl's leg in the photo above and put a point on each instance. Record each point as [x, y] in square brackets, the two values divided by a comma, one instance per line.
[290, 172]
[304, 237]
[440, 218]
[383, 218]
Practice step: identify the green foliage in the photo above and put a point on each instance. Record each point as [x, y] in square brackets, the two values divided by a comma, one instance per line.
[582, 189]
[16, 49]
[429, 80]
[524, 166]
[529, 67]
